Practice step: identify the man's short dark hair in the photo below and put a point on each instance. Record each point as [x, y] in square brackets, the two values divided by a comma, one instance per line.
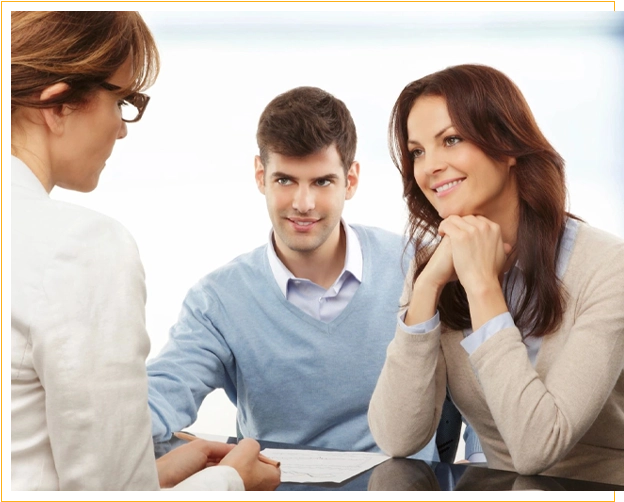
[304, 121]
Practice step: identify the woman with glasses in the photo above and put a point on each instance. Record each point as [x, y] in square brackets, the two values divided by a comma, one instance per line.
[79, 412]
[513, 304]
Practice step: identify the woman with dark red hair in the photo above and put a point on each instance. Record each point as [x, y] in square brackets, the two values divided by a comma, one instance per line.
[512, 303]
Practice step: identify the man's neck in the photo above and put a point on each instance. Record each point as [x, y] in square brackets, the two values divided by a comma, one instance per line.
[321, 266]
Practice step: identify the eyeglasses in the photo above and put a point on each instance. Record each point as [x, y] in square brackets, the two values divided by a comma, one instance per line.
[132, 106]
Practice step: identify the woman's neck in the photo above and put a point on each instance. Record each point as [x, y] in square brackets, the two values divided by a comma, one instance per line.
[28, 146]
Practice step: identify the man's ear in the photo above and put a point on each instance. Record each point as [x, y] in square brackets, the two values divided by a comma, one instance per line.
[54, 116]
[259, 173]
[353, 178]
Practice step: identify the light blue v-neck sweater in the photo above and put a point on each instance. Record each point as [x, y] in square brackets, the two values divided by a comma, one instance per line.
[293, 378]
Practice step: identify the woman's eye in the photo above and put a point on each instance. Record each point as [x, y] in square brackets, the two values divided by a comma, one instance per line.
[416, 153]
[452, 140]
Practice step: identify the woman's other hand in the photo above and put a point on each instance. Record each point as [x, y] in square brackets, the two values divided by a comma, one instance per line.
[256, 474]
[430, 283]
[440, 269]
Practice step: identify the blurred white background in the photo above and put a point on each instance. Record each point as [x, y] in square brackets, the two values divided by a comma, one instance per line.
[182, 181]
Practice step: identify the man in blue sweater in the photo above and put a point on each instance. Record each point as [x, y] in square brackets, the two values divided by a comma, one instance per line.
[296, 330]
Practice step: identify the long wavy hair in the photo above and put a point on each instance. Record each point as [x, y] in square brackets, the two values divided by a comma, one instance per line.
[488, 110]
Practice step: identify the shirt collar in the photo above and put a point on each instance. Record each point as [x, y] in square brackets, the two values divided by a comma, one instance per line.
[22, 176]
[353, 259]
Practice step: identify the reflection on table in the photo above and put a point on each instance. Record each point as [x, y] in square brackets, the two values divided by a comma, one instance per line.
[403, 474]
[407, 474]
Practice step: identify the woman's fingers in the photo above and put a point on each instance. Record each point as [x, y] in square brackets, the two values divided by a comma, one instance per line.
[478, 251]
[256, 474]
[213, 450]
[479, 257]
[440, 268]
[186, 460]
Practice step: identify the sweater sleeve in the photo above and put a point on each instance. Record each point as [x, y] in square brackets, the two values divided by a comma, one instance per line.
[407, 402]
[539, 419]
[89, 351]
[195, 360]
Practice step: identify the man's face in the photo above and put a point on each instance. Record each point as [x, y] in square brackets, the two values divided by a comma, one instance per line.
[305, 197]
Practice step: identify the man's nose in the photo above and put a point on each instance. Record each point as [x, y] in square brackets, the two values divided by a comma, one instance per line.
[303, 200]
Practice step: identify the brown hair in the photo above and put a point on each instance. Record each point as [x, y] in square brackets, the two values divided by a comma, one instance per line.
[82, 49]
[303, 121]
[488, 110]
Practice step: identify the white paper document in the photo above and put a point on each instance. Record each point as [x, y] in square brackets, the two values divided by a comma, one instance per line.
[312, 466]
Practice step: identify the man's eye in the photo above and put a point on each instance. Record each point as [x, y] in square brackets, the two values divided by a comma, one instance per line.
[283, 181]
[323, 183]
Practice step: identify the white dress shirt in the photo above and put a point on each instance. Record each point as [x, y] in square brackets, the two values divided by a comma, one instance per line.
[316, 301]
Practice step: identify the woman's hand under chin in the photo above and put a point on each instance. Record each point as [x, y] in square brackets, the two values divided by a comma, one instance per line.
[477, 249]
[479, 256]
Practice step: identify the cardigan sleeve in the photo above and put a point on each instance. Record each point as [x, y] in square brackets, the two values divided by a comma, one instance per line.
[407, 402]
[539, 419]
[89, 350]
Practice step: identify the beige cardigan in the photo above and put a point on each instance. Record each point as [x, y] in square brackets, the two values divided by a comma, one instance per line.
[565, 417]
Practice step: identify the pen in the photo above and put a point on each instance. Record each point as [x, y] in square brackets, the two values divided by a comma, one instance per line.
[190, 437]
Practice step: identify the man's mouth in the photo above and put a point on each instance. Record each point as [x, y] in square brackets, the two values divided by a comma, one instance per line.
[303, 224]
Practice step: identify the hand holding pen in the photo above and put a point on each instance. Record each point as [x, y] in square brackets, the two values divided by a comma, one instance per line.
[190, 437]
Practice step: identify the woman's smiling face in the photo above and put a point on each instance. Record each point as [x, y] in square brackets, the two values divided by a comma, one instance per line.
[455, 175]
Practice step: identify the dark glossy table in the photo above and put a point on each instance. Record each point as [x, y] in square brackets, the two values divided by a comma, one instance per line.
[404, 474]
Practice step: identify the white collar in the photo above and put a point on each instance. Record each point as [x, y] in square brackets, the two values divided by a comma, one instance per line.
[353, 259]
[22, 176]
